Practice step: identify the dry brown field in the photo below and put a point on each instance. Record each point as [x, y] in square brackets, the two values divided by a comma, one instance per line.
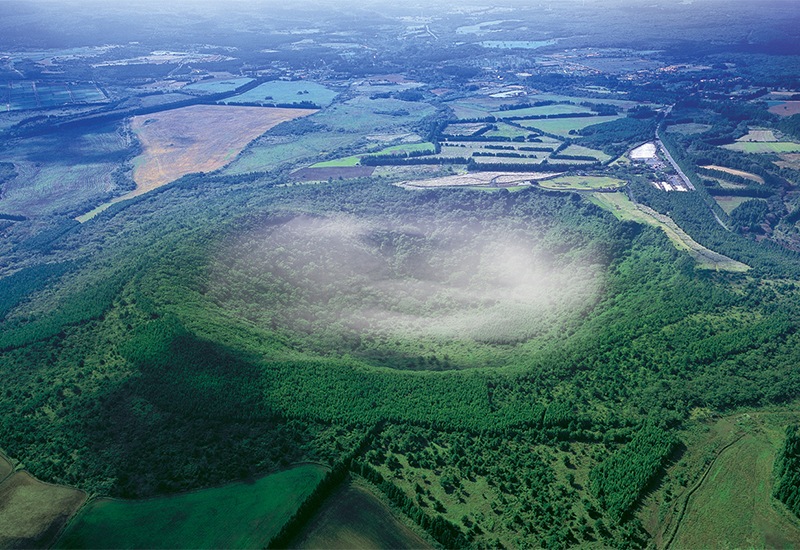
[32, 512]
[200, 138]
[355, 518]
[746, 175]
[786, 109]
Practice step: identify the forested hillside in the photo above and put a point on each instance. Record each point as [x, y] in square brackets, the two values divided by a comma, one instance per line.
[239, 337]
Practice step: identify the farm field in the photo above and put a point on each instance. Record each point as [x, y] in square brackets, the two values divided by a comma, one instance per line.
[237, 515]
[787, 108]
[62, 170]
[562, 126]
[688, 128]
[200, 138]
[218, 86]
[353, 160]
[506, 130]
[768, 147]
[369, 116]
[578, 150]
[316, 173]
[280, 91]
[557, 109]
[581, 183]
[464, 129]
[758, 135]
[619, 205]
[268, 152]
[32, 513]
[355, 518]
[733, 502]
[21, 95]
[731, 171]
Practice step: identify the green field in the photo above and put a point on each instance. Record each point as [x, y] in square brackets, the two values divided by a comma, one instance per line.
[280, 91]
[345, 161]
[764, 147]
[237, 515]
[266, 153]
[558, 109]
[506, 130]
[733, 502]
[562, 126]
[353, 160]
[577, 150]
[582, 183]
[218, 86]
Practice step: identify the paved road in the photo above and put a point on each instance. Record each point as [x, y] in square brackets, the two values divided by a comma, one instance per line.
[669, 157]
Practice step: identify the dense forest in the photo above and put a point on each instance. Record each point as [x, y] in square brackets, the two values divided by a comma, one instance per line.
[224, 349]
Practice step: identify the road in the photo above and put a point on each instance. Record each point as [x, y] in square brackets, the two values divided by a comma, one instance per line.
[669, 157]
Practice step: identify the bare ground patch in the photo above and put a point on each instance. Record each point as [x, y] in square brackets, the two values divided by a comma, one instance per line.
[731, 171]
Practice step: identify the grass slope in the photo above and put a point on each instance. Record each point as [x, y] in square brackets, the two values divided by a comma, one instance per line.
[32, 512]
[238, 515]
[355, 518]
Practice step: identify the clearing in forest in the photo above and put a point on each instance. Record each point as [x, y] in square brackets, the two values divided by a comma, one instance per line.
[238, 515]
[624, 209]
[355, 518]
[746, 175]
[729, 203]
[32, 512]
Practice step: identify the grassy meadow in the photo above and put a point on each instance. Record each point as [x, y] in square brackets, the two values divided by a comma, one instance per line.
[32, 512]
[286, 92]
[244, 514]
[562, 126]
